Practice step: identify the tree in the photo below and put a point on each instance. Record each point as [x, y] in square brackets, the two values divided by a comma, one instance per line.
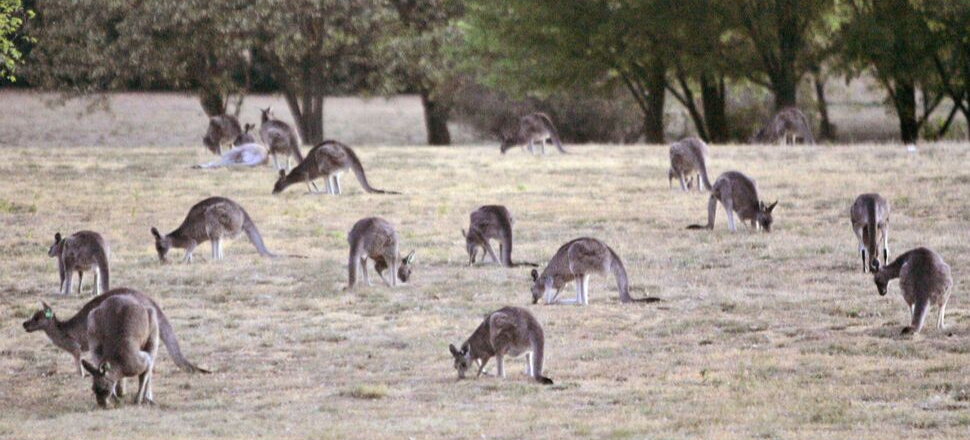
[949, 22]
[12, 18]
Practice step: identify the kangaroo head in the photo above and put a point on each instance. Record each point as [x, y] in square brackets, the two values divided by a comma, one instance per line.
[104, 379]
[162, 244]
[881, 278]
[267, 113]
[41, 319]
[245, 137]
[55, 248]
[280, 183]
[463, 358]
[407, 265]
[540, 286]
[764, 215]
[471, 244]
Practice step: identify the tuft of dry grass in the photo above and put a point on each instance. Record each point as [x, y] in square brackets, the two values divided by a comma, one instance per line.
[759, 335]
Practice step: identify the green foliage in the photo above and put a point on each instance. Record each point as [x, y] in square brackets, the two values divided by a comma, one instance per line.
[12, 19]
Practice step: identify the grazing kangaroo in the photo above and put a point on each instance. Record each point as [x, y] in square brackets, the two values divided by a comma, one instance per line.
[535, 127]
[511, 331]
[738, 193]
[924, 279]
[375, 238]
[83, 251]
[789, 123]
[870, 214]
[688, 157]
[244, 155]
[72, 337]
[487, 223]
[280, 138]
[223, 129]
[215, 218]
[327, 159]
[124, 342]
[576, 261]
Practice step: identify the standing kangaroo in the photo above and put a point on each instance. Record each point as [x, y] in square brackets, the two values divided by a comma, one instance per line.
[375, 238]
[223, 129]
[215, 218]
[738, 193]
[869, 214]
[924, 279]
[327, 159]
[83, 251]
[511, 331]
[535, 127]
[788, 124]
[280, 138]
[72, 336]
[124, 342]
[576, 261]
[487, 223]
[687, 158]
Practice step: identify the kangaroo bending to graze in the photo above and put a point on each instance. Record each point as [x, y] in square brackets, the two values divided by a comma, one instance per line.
[490, 222]
[788, 124]
[870, 214]
[71, 335]
[328, 159]
[375, 238]
[924, 279]
[739, 194]
[511, 331]
[535, 127]
[576, 261]
[123, 335]
[215, 219]
[83, 251]
[688, 157]
[223, 129]
[280, 138]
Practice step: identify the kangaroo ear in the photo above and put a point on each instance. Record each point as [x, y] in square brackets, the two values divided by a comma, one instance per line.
[156, 234]
[874, 265]
[463, 233]
[57, 237]
[454, 351]
[464, 349]
[105, 367]
[409, 259]
[761, 206]
[282, 174]
[535, 275]
[91, 369]
[772, 206]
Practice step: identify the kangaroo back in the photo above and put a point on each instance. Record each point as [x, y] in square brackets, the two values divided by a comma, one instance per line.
[552, 130]
[358, 169]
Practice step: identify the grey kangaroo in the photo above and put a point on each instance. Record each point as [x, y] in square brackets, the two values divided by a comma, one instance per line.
[924, 279]
[279, 138]
[511, 331]
[576, 261]
[870, 215]
[688, 157]
[327, 159]
[223, 129]
[375, 238]
[533, 128]
[83, 251]
[789, 124]
[215, 219]
[124, 343]
[489, 222]
[72, 337]
[739, 194]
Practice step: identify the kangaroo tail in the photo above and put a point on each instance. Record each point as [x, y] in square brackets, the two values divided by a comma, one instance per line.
[172, 344]
[353, 265]
[919, 314]
[805, 129]
[358, 169]
[294, 141]
[103, 275]
[506, 226]
[622, 283]
[538, 350]
[871, 231]
[524, 263]
[702, 164]
[555, 133]
[711, 210]
[257, 240]
[696, 226]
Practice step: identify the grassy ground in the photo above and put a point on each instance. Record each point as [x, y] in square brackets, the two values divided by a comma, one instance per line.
[759, 335]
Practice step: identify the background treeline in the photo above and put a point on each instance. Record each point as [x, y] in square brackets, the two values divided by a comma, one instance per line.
[604, 69]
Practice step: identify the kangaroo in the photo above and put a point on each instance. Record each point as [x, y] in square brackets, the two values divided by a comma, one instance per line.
[83, 251]
[72, 336]
[924, 279]
[223, 129]
[243, 155]
[509, 331]
[789, 123]
[576, 261]
[687, 158]
[738, 193]
[327, 159]
[869, 214]
[124, 342]
[487, 223]
[375, 238]
[535, 127]
[213, 219]
[246, 137]
[280, 138]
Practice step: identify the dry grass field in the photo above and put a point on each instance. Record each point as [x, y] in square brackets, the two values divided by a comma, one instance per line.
[758, 336]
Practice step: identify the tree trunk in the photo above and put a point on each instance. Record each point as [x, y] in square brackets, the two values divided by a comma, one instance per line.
[713, 97]
[436, 114]
[904, 99]
[785, 89]
[308, 117]
[213, 102]
[827, 130]
[654, 112]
